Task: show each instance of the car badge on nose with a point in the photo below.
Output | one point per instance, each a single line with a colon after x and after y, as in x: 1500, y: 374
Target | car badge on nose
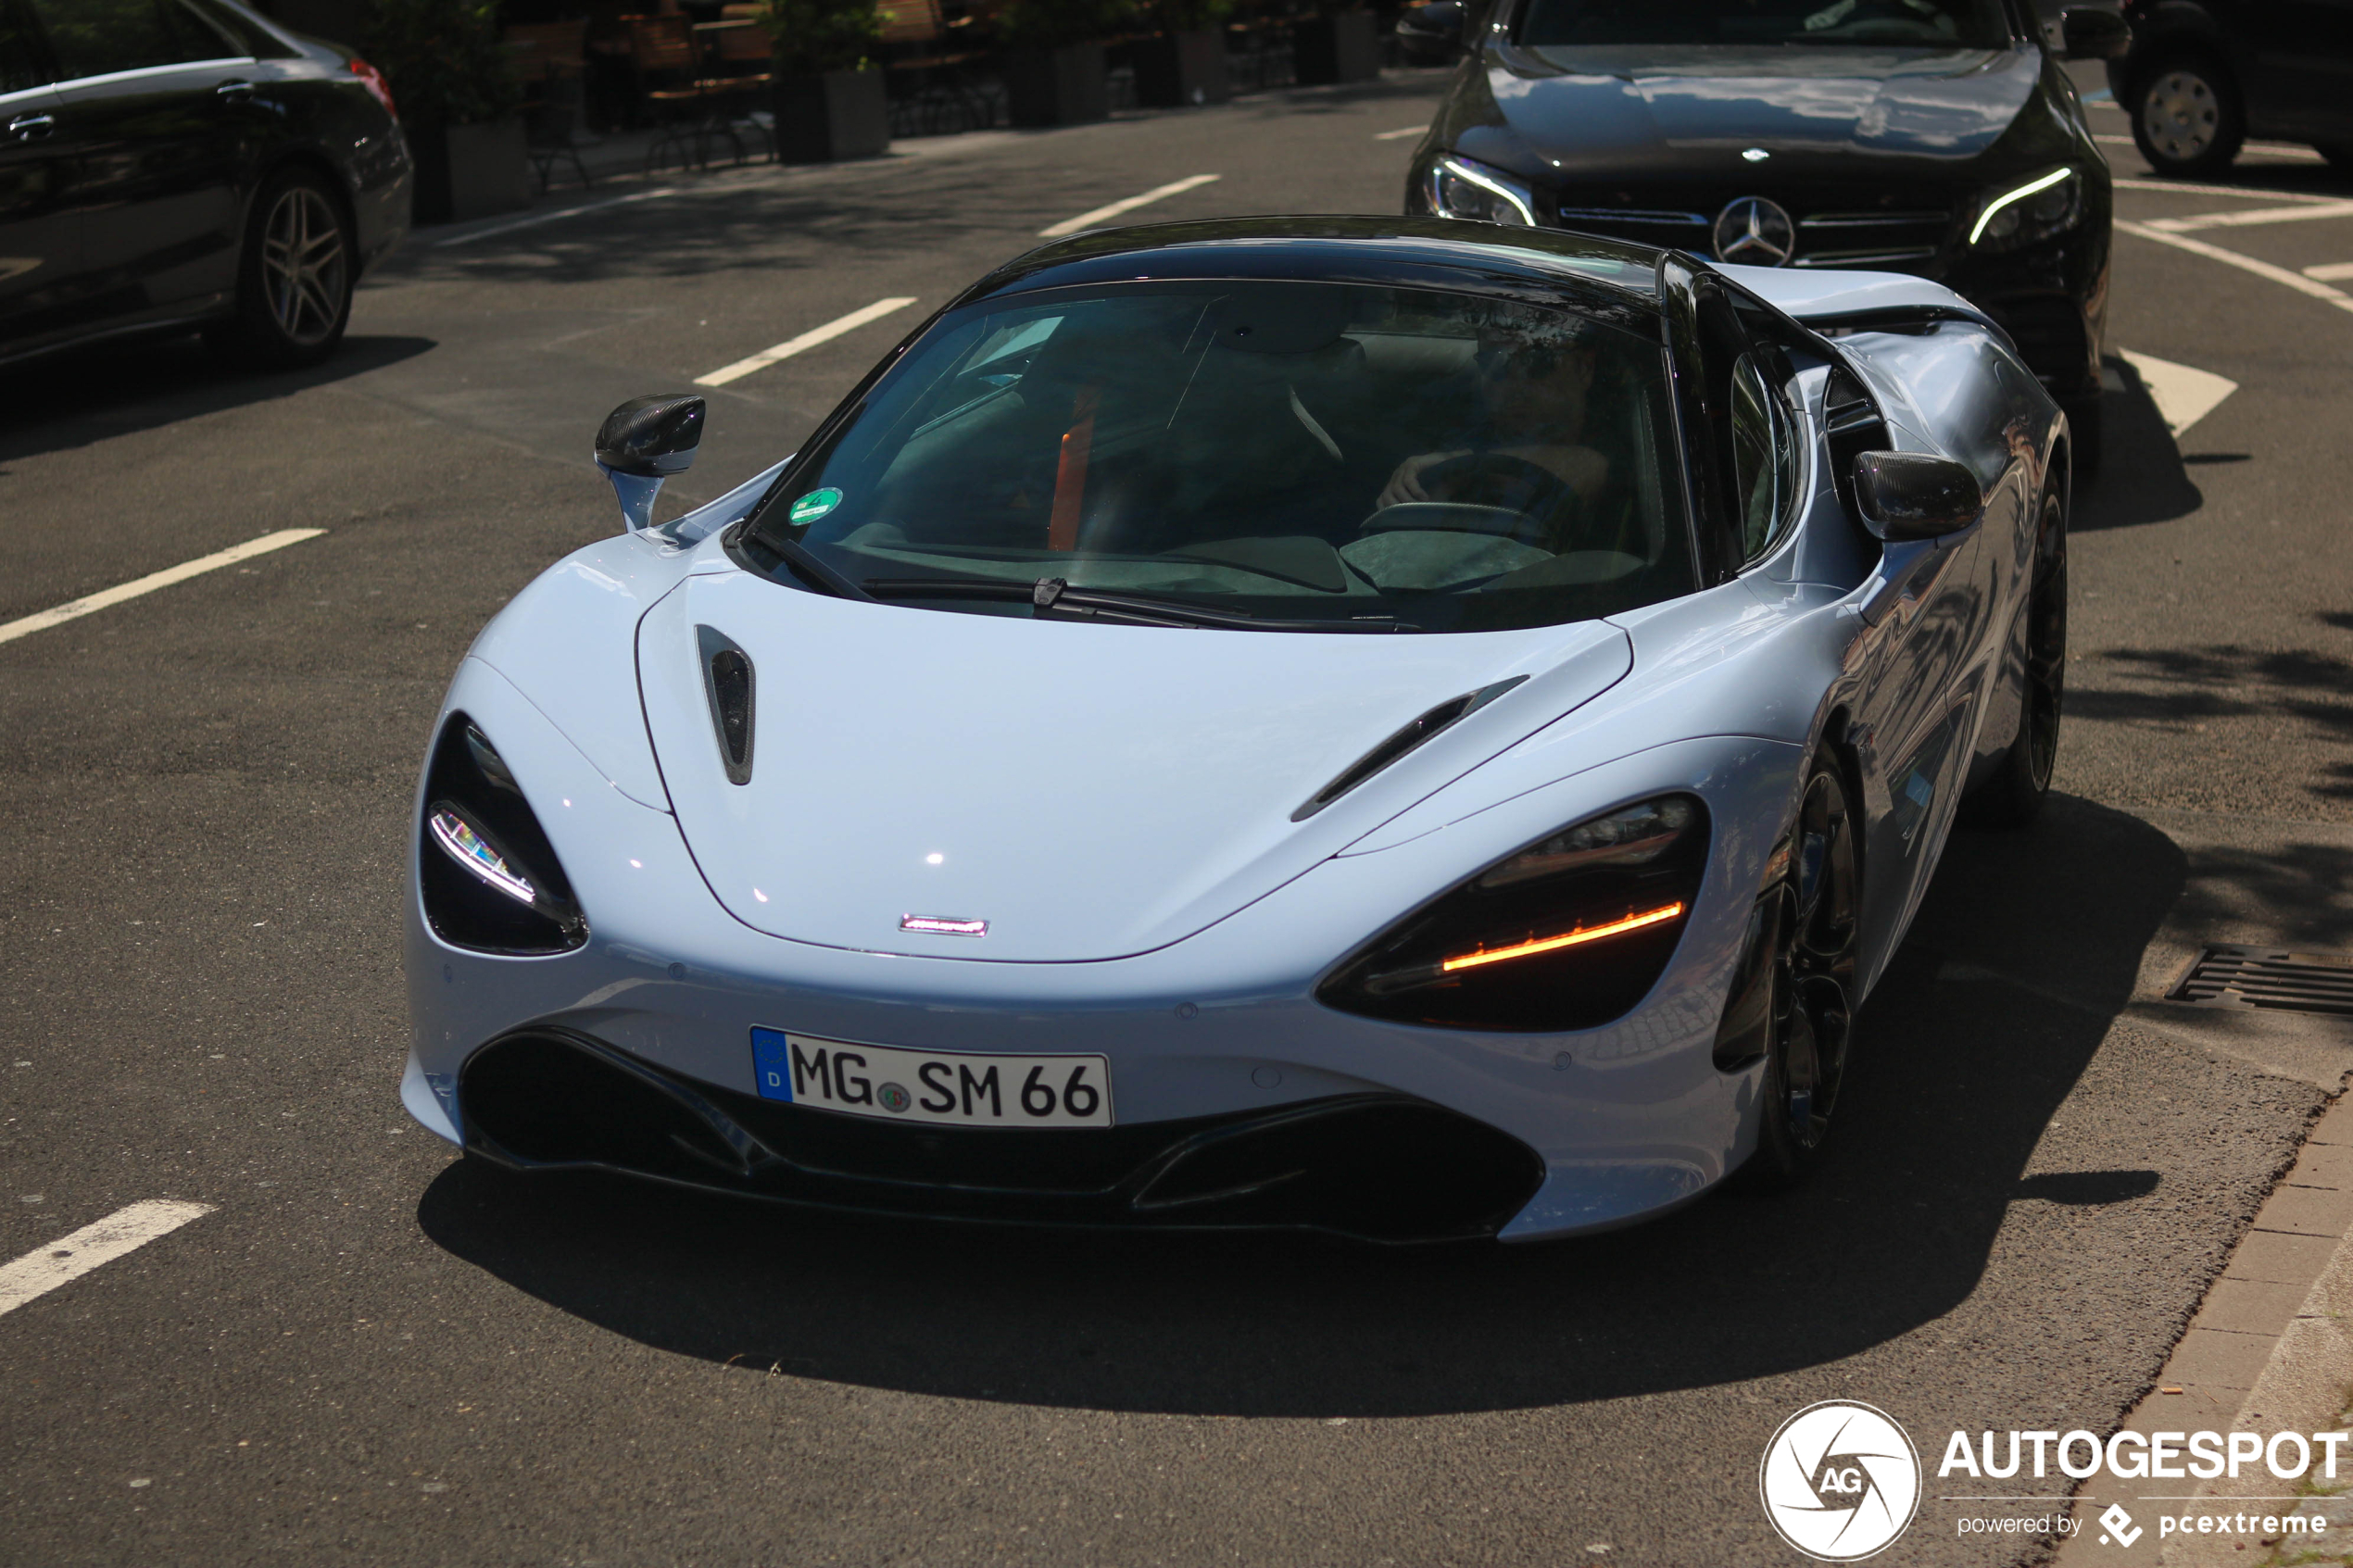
x: 943, y: 925
x: 1754, y: 232
x: 1754, y: 155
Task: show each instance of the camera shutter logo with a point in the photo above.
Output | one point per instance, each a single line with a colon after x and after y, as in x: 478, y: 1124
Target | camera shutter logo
x: 1839, y: 1481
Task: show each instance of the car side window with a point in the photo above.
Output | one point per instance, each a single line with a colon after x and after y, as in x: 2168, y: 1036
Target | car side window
x: 1765, y: 457
x: 20, y: 65
x: 101, y: 37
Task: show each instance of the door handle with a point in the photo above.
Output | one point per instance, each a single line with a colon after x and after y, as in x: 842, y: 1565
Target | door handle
x: 234, y: 90
x: 30, y: 127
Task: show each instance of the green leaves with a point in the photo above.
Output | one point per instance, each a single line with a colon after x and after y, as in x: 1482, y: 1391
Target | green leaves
x: 443, y: 60
x: 815, y: 36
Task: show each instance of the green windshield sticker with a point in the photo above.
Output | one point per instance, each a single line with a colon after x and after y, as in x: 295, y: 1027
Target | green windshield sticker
x: 814, y: 505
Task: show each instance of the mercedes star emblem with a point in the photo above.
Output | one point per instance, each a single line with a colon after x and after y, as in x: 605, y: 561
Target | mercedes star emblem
x: 1755, y: 233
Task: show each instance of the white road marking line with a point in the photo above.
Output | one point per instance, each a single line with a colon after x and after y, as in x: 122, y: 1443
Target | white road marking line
x: 808, y: 339
x: 2257, y: 215
x: 2184, y: 393
x: 1398, y: 135
x: 2330, y: 271
x: 539, y: 218
x: 2296, y: 280
x: 69, y: 1257
x: 2261, y: 149
x: 1100, y: 214
x: 41, y: 620
x: 2182, y: 185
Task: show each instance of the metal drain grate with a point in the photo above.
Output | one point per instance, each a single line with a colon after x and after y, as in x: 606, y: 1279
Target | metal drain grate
x: 2265, y: 977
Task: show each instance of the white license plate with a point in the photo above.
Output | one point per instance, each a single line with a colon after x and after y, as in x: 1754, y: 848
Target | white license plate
x: 948, y: 1087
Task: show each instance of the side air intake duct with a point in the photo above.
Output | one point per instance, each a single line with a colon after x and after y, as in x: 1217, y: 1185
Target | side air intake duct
x: 727, y: 681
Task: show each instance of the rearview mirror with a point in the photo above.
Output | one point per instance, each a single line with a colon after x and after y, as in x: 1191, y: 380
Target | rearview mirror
x: 644, y: 442
x: 1431, y: 34
x: 2092, y: 32
x: 1907, y: 495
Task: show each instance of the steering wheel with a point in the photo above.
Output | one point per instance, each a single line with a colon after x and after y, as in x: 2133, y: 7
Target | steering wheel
x: 1480, y: 493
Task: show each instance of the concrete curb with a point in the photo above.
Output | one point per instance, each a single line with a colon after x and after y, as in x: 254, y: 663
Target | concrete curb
x: 2270, y: 1349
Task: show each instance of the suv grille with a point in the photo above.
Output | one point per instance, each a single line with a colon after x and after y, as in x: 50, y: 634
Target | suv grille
x: 1835, y: 227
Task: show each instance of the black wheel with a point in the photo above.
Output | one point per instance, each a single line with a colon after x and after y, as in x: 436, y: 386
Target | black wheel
x: 2187, y: 116
x: 2014, y: 795
x: 1814, y: 939
x: 295, y: 277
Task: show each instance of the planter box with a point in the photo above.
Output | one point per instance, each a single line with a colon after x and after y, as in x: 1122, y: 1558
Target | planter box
x: 1065, y: 86
x: 840, y: 114
x: 469, y: 170
x: 1177, y: 68
x: 489, y: 169
x: 1344, y: 46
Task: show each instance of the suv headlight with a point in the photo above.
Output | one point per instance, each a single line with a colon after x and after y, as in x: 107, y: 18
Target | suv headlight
x: 2019, y: 215
x: 1569, y: 932
x: 1460, y: 187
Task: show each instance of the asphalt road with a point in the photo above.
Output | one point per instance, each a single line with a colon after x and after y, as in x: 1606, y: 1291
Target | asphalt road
x: 371, y: 1353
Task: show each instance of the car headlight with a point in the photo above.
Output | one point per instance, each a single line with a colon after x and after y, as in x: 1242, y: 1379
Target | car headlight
x: 1460, y: 187
x: 2019, y: 215
x: 485, y: 873
x: 1569, y: 932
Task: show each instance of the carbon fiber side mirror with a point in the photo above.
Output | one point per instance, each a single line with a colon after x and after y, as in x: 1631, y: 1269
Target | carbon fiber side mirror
x: 1909, y: 495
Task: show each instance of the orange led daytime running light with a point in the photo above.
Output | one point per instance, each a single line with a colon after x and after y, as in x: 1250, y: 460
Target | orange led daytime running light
x: 1575, y: 938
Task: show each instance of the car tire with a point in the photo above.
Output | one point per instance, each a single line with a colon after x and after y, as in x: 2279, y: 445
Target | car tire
x: 2014, y: 795
x: 295, y: 276
x: 1817, y: 938
x: 2188, y: 116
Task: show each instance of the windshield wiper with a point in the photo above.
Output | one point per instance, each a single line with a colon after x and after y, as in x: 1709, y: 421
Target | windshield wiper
x: 1054, y: 597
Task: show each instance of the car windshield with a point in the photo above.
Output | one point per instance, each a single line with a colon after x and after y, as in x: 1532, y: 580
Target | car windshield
x: 1290, y: 455
x: 1972, y: 24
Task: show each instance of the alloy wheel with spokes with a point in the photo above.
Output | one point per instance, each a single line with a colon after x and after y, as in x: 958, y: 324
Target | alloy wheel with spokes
x: 295, y: 279
x: 2046, y: 645
x: 1815, y: 944
x: 302, y: 265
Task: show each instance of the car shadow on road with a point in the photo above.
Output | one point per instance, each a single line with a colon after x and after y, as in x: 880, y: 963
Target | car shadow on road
x: 92, y: 395
x: 1942, y: 1111
x: 2141, y: 477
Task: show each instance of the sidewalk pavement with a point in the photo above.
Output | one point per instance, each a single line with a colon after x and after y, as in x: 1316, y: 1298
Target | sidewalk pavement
x: 2270, y: 1348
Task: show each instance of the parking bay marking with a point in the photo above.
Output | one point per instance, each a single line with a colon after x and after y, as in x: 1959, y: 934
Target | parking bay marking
x: 538, y: 218
x: 69, y: 1257
x: 2256, y: 215
x: 1398, y: 135
x: 1104, y: 214
x: 2261, y: 149
x: 808, y: 339
x: 2296, y: 280
x: 2330, y: 271
x: 2184, y: 393
x: 2185, y: 187
x: 41, y: 620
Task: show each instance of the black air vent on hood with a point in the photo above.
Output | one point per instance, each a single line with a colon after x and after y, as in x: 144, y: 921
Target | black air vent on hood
x: 727, y: 681
x: 1446, y: 714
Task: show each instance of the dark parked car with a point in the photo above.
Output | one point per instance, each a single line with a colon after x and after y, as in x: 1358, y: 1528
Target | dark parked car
x: 2205, y: 75
x: 173, y: 164
x: 1938, y: 137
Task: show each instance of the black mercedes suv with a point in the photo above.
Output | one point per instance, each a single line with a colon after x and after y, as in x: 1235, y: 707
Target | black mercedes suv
x: 1939, y: 137
x: 176, y: 164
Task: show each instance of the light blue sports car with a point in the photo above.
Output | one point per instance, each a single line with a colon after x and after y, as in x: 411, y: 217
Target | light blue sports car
x: 1400, y: 727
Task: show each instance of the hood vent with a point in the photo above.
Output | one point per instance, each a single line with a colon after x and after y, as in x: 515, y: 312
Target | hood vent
x: 727, y: 682
x: 1444, y: 715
